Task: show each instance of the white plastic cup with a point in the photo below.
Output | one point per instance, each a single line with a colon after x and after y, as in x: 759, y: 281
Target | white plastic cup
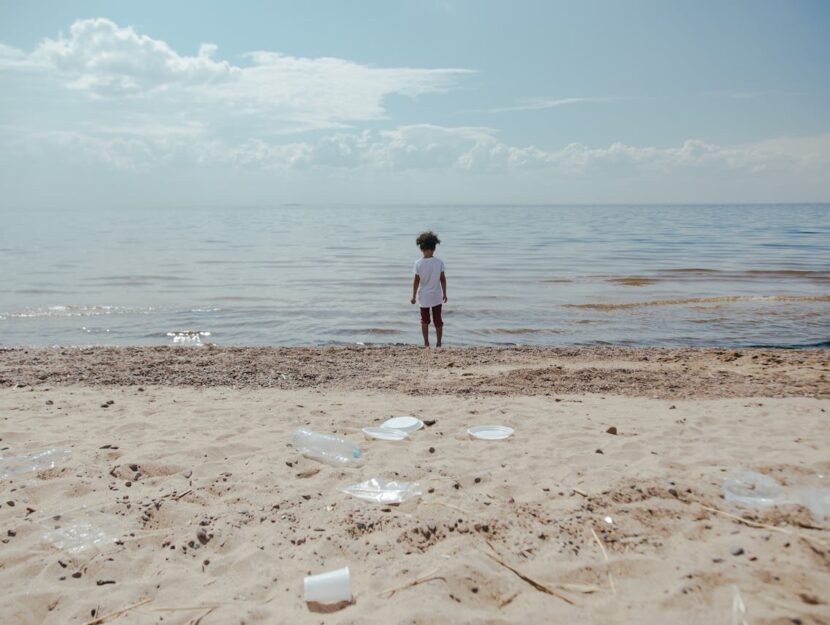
x: 327, y: 588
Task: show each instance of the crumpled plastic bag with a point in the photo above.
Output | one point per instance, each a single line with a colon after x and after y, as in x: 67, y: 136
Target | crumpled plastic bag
x: 755, y: 490
x: 47, y: 459
x: 383, y: 491
x: 77, y: 536
x: 80, y: 529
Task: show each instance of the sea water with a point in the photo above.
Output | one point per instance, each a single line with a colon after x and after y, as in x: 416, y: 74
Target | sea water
x: 342, y: 275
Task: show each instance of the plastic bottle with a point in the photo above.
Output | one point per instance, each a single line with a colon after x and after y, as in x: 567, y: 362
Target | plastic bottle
x: 328, y: 448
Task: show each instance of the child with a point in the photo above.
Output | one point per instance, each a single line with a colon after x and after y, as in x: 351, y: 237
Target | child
x: 429, y: 275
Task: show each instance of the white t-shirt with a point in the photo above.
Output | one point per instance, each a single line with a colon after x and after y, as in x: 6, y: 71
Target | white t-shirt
x: 429, y: 289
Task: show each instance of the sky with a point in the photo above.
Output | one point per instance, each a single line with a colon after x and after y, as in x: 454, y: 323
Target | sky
x: 438, y: 101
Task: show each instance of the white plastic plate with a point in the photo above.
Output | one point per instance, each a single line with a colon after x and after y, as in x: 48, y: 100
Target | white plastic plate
x: 490, y: 432
x: 385, y: 434
x: 407, y: 424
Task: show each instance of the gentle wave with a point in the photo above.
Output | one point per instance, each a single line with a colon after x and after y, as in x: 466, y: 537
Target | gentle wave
x: 371, y: 331
x: 517, y: 331
x: 633, y: 281
x: 73, y: 310
x: 706, y: 300
x: 749, y: 274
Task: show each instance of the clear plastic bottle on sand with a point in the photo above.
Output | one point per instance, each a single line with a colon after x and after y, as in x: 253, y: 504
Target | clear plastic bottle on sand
x: 328, y: 448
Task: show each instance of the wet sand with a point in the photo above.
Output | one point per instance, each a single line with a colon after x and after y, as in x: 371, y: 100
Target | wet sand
x: 604, y: 507
x: 662, y: 373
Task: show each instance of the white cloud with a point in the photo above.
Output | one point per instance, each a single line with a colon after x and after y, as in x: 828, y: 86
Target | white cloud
x: 538, y: 104
x: 423, y: 147
x: 11, y: 57
x: 116, y: 64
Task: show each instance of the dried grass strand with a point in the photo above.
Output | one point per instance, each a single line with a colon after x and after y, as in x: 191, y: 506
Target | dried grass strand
x: 101, y: 619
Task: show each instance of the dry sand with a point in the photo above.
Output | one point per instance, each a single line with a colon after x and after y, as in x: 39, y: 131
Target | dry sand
x: 215, y: 518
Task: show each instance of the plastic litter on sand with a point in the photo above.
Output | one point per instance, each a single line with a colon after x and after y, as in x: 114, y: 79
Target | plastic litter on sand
x: 755, y: 490
x: 383, y: 491
x: 490, y: 432
x: 40, y: 461
x: 78, y: 529
x: 328, y: 588
x: 329, y: 448
x: 405, y: 423
x: 385, y: 434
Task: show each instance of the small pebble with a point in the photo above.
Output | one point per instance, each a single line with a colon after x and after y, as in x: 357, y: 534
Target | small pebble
x: 736, y: 551
x: 432, y: 450
x: 611, y: 430
x: 599, y: 451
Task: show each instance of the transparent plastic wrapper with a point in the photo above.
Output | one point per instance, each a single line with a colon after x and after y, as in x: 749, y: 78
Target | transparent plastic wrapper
x: 78, y: 530
x: 817, y: 501
x: 75, y: 537
x: 329, y: 448
x: 748, y: 488
x: 754, y: 490
x: 47, y: 459
x: 383, y: 491
x: 815, y: 496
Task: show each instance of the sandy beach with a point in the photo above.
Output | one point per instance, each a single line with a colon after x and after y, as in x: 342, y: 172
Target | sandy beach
x: 605, y: 506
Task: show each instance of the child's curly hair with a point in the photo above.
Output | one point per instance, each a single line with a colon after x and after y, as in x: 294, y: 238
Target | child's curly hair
x: 427, y: 240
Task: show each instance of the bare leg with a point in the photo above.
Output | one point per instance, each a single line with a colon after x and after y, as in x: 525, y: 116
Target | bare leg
x: 439, y: 331
x: 425, y: 332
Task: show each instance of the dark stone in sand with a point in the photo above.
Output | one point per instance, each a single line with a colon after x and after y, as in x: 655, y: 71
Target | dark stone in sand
x: 599, y: 451
x: 611, y: 430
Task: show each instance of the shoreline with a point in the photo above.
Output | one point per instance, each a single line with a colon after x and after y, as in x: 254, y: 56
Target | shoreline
x: 668, y: 373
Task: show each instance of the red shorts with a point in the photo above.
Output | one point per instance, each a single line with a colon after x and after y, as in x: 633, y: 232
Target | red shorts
x: 436, y: 316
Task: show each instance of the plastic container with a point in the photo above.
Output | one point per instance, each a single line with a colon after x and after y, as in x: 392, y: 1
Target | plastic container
x: 328, y: 588
x: 329, y: 448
